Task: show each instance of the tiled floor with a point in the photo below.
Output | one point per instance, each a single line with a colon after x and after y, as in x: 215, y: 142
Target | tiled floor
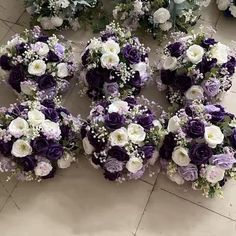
x: 79, y: 202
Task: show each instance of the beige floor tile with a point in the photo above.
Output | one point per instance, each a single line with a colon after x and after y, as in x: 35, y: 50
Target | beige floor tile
x: 169, y: 215
x: 24, y: 20
x: 11, y: 10
x: 229, y: 101
x: 4, y: 28
x: 3, y: 196
x: 9, y: 185
x: 77, y: 202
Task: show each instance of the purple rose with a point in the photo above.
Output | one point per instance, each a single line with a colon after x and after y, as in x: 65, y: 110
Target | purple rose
x: 189, y: 172
x: 17, y: 111
x: 40, y: 145
x: 200, y: 153
x: 131, y: 101
x: 217, y: 112
x: 111, y: 88
x: 48, y: 103
x: 195, y: 129
x: 52, y: 57
x: 118, y: 153
x: 135, y: 80
x: 225, y: 161
x: 97, y: 143
x: 230, y: 65
x: 20, y: 48
x: 208, y: 42
x: 42, y: 38
x: 107, y: 35
x: 51, y: 114
x: 176, y: 49
x: 167, y: 77
x: 28, y: 163
x: 114, y: 120
x: 131, y: 54
x: 96, y: 77
x: 112, y: 176
x: 85, y: 58
x: 5, y: 62
x: 211, y: 87
x: 148, y: 150
x: 95, y: 94
x: 5, y: 148
x: 233, y: 138
x: 183, y: 82
x: 168, y: 146
x: 55, y: 151
x: 46, y: 82
x: 206, y: 65
x: 146, y: 121
x: 17, y: 75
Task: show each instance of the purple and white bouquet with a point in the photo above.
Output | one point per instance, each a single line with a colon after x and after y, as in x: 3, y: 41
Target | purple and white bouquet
x: 37, y: 65
x: 228, y: 6
x: 115, y: 63
x: 196, y: 67
x: 159, y: 17
x: 200, y: 147
x: 36, y: 139
x: 122, y: 137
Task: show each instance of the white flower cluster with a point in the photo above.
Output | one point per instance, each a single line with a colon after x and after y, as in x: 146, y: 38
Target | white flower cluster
x: 224, y: 5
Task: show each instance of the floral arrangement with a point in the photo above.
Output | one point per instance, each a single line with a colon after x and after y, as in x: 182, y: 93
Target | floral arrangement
x: 158, y: 17
x: 196, y: 67
x: 200, y: 147
x: 228, y: 6
x: 37, y: 65
x: 36, y: 139
x: 122, y: 137
x: 60, y: 14
x: 115, y: 63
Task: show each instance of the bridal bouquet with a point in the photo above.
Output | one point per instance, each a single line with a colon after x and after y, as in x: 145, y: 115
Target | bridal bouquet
x: 159, y: 16
x: 115, y: 63
x: 60, y: 14
x: 228, y: 6
x: 37, y: 65
x: 200, y: 147
x: 196, y: 67
x: 36, y: 139
x: 122, y: 138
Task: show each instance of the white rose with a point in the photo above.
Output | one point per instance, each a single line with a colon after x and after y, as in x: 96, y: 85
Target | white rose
x: 42, y: 168
x: 27, y: 88
x: 110, y: 46
x: 118, y: 106
x: 195, y: 53
x: 223, y: 4
x: 64, y: 3
x: 170, y: 63
x: 161, y: 16
x: 179, y: 1
x: 232, y: 9
x: 213, y: 136
x: 37, y: 67
x: 141, y: 67
x: 136, y: 133
x: 134, y: 164
x: 180, y: 156
x: 138, y: 5
x: 65, y: 161
x: 57, y: 21
x: 35, y: 117
x: 166, y: 26
x: 194, y: 92
x: 173, y: 124
x: 88, y: 147
x: 109, y: 60
x: 119, y: 137
x: 41, y: 48
x: 46, y: 23
x: 176, y: 178
x: 220, y: 52
x: 18, y: 127
x: 157, y: 123
x: 21, y: 148
x: 62, y: 70
x: 94, y: 44
x: 214, y: 174
x: 51, y: 129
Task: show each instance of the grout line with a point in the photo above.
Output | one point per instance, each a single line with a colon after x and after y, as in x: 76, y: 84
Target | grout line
x: 234, y: 220
x: 142, y: 180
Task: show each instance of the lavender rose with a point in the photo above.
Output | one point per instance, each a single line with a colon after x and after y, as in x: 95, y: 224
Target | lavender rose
x: 189, y: 172
x: 225, y: 161
x: 217, y: 112
x: 211, y: 87
x: 195, y: 128
x: 111, y: 88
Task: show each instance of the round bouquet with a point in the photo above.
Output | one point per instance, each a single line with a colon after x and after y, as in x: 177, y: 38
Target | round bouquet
x: 228, y: 6
x: 37, y: 65
x: 159, y: 16
x: 200, y: 147
x: 121, y: 137
x: 115, y: 63
x: 196, y: 67
x: 60, y: 14
x: 36, y: 139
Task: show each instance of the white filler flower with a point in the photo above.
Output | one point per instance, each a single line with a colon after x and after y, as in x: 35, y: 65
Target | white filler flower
x: 21, y: 148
